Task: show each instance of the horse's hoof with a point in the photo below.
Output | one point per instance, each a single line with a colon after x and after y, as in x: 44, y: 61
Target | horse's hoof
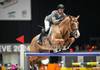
x: 64, y: 49
x: 55, y: 51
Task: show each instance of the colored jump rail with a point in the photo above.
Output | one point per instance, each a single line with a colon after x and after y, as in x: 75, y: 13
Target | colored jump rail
x: 64, y: 54
x: 85, y: 63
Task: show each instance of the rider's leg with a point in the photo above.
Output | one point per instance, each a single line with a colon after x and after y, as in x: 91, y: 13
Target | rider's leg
x: 44, y: 31
x: 46, y: 24
x: 48, y: 27
x: 41, y: 36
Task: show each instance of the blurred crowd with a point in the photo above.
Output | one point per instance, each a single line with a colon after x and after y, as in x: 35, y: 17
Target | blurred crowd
x: 84, y: 48
x: 9, y: 67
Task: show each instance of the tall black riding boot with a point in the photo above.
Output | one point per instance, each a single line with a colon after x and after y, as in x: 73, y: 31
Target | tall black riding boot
x: 43, y: 33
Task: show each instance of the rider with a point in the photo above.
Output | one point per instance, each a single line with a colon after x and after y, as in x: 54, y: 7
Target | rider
x: 54, y: 18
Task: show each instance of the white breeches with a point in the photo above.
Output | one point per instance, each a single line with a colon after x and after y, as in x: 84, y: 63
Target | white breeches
x: 46, y: 24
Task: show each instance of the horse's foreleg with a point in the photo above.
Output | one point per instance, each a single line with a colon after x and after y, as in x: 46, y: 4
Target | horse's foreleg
x: 57, y: 45
x: 59, y: 41
x: 69, y: 42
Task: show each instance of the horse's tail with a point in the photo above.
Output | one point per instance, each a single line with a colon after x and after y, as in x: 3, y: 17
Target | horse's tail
x: 41, y: 26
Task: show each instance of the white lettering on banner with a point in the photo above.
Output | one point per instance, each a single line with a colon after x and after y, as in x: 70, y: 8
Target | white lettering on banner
x: 18, y: 48
x: 15, y: 48
x: 4, y: 48
x: 11, y: 48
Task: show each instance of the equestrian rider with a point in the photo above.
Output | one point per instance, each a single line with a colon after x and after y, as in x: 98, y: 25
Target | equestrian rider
x: 54, y: 18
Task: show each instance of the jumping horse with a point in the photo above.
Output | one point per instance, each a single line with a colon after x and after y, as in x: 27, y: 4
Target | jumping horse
x: 61, y: 37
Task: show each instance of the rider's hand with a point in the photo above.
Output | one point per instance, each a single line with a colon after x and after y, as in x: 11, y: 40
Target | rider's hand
x: 61, y: 19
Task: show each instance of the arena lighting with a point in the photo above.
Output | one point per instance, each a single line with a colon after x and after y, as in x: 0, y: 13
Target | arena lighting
x: 64, y: 54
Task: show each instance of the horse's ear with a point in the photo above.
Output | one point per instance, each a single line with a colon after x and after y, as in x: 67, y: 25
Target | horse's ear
x: 78, y: 17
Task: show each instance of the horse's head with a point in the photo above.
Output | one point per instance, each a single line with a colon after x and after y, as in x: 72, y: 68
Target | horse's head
x: 70, y: 23
x: 74, y: 24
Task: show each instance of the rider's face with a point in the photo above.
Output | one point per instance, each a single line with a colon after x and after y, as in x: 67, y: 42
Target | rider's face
x: 61, y: 11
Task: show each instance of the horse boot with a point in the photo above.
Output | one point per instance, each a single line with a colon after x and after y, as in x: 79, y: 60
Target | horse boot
x: 40, y: 40
x: 43, y: 33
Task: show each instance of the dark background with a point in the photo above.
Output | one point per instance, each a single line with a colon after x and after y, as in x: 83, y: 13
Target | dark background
x: 87, y: 9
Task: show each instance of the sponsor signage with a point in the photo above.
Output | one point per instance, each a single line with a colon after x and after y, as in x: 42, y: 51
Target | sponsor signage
x: 10, y: 48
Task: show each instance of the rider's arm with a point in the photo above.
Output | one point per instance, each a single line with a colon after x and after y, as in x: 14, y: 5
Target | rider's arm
x: 65, y: 15
x: 53, y: 18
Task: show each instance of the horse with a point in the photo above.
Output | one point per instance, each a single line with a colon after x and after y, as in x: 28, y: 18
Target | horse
x: 59, y: 38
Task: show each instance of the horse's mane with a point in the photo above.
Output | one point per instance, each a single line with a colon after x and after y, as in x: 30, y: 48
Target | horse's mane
x: 67, y: 18
x: 65, y: 25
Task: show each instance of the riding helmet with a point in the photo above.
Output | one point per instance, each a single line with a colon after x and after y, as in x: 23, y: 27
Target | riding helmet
x: 60, y: 6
